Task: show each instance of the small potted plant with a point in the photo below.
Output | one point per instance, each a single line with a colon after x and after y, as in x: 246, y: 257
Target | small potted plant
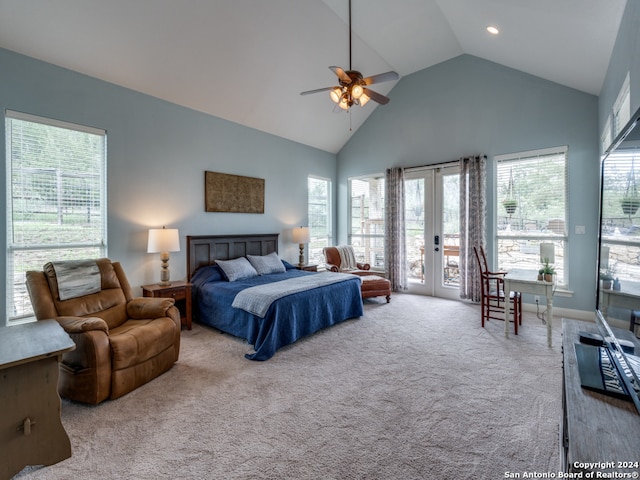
x: 509, y: 203
x: 607, y: 275
x: 510, y: 206
x: 630, y: 205
x: 548, y: 271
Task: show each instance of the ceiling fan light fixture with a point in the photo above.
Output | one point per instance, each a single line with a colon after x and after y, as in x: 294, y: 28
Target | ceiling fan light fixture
x: 336, y: 94
x: 353, y: 87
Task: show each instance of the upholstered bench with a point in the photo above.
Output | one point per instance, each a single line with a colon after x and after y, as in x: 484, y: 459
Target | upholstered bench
x: 375, y: 286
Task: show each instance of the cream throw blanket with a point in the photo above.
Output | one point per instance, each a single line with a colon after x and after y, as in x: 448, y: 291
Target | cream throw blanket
x: 347, y: 258
x: 77, y: 278
x: 258, y: 299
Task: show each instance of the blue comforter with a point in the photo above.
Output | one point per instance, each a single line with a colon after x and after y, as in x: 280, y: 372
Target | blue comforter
x: 288, y: 318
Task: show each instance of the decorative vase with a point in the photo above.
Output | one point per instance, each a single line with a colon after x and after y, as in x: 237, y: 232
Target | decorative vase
x: 606, y: 284
x: 616, y: 284
x: 548, y: 277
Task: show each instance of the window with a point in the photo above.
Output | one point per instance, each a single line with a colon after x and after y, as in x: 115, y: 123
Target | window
x: 366, y: 220
x: 620, y: 251
x: 531, y: 209
x: 622, y: 107
x: 56, y: 198
x: 319, y: 205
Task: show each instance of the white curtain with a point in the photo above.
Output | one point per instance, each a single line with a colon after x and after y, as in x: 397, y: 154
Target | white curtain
x: 395, y: 254
x: 473, y: 183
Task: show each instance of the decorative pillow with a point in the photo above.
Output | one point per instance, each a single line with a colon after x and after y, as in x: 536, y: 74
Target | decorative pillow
x: 237, y: 269
x: 210, y: 273
x: 265, y: 264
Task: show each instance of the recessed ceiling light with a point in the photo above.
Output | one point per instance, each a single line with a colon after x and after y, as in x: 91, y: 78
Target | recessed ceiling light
x: 493, y: 30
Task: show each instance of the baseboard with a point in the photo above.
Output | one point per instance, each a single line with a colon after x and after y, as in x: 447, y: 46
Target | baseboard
x: 558, y: 312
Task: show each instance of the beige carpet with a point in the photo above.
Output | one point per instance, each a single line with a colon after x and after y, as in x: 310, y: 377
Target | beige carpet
x: 415, y: 389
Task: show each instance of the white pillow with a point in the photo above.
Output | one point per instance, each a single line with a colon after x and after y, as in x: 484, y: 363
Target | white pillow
x: 237, y: 269
x: 266, y: 264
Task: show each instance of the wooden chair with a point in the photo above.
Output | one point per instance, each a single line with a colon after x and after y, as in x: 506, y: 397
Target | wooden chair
x: 493, y: 296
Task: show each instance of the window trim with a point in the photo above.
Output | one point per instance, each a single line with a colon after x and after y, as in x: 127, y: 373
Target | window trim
x: 606, y: 138
x: 529, y: 154
x: 349, y: 216
x: 330, y: 236
x: 11, y: 247
x: 619, y: 117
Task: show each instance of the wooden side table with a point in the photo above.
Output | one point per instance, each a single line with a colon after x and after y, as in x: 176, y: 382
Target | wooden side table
x: 308, y: 268
x: 31, y: 432
x: 180, y: 291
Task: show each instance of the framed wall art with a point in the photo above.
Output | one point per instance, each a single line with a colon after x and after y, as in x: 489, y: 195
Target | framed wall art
x: 233, y: 193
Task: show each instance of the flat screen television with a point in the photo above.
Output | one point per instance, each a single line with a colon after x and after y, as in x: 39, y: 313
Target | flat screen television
x: 618, y: 267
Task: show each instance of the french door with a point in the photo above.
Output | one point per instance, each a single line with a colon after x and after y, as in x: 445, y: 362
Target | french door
x: 432, y: 230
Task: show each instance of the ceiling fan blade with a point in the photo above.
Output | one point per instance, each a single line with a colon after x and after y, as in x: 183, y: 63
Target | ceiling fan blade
x: 317, y: 90
x: 381, y: 77
x: 376, y: 97
x: 341, y: 74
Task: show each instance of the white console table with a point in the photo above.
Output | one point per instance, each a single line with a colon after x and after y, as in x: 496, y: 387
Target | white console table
x: 526, y: 281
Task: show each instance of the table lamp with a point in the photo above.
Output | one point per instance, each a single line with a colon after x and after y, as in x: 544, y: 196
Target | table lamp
x: 164, y: 240
x: 301, y: 235
x: 547, y: 253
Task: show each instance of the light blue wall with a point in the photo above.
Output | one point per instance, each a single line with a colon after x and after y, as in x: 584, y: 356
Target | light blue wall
x: 468, y: 105
x: 159, y: 151
x: 157, y: 155
x: 624, y: 58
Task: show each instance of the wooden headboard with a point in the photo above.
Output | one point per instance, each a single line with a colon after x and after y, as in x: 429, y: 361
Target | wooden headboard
x: 203, y: 250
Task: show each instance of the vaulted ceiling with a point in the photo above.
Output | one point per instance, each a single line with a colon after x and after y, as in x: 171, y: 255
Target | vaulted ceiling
x: 247, y: 60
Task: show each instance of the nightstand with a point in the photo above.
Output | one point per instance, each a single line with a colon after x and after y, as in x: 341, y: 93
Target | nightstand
x: 180, y: 291
x: 308, y: 268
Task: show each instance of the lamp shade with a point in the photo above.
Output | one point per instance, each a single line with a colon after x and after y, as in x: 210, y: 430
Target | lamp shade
x: 163, y: 240
x: 547, y: 253
x: 301, y: 235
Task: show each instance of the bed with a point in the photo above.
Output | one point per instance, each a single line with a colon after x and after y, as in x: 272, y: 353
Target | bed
x: 289, y: 318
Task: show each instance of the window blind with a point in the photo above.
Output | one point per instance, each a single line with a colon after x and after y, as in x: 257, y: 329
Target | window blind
x: 366, y: 221
x: 56, y: 198
x: 319, y: 212
x: 531, y: 208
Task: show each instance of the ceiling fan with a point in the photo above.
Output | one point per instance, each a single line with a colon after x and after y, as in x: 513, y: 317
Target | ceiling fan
x: 352, y: 89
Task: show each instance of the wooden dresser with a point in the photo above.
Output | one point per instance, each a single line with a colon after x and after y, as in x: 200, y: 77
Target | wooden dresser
x: 596, y: 429
x: 31, y: 432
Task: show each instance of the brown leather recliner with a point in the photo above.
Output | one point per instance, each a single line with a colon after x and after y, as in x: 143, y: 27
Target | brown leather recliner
x: 334, y: 263
x: 122, y: 342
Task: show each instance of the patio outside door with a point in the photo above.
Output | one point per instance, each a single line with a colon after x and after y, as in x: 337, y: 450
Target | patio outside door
x: 432, y: 213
